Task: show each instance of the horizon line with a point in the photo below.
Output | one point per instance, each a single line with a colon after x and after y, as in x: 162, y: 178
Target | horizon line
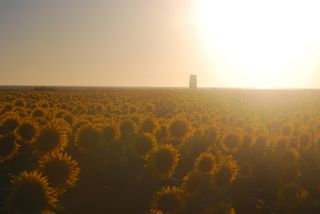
x: 154, y: 87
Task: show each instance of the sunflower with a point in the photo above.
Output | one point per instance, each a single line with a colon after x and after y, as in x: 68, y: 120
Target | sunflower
x: 163, y: 160
x: 8, y: 147
x: 28, y: 130
x: 142, y: 144
x: 52, y: 138
x: 9, y: 122
x: 88, y: 136
x: 231, y: 141
x: 150, y: 125
x: 65, y: 115
x: 226, y: 173
x: 38, y: 113
x: 30, y: 194
x: 168, y: 200
x: 179, y: 128
x: 20, y: 103
x: 60, y: 170
x: 205, y: 163
x: 127, y: 128
x: 65, y: 126
x: 111, y: 132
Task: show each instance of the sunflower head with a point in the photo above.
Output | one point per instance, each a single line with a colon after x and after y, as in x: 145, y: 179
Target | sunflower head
x: 38, y: 113
x: 52, y: 138
x: 8, y: 146
x: 60, y: 170
x: 149, y: 125
x: 205, y: 163
x: 127, y: 128
x: 9, y: 122
x: 7, y: 107
x: 231, y: 141
x: 143, y: 143
x: 111, y: 132
x: 226, y: 173
x: 163, y: 160
x: 30, y: 194
x: 179, y: 128
x: 88, y: 136
x: 20, y: 103
x: 28, y: 130
x: 168, y: 200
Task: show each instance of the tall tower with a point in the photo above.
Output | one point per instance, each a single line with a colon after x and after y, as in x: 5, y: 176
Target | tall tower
x: 193, y: 81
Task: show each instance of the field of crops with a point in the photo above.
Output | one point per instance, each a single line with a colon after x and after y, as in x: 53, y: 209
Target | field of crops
x: 159, y: 151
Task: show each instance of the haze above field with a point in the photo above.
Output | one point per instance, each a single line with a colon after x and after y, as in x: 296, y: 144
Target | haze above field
x: 232, y: 43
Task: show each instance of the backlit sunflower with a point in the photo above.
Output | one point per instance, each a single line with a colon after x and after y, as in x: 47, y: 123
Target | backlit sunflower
x: 52, y: 138
x: 226, y: 173
x: 163, y: 160
x: 179, y: 128
x: 9, y: 122
x: 142, y: 144
x: 60, y: 169
x: 88, y: 136
x: 205, y: 163
x: 30, y: 194
x: 28, y: 130
x: 111, y: 132
x: 231, y: 141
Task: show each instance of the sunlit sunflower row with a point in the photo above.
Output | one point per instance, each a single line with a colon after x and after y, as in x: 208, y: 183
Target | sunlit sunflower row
x: 159, y: 151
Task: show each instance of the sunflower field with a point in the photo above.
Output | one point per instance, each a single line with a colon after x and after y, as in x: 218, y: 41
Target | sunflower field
x: 159, y: 151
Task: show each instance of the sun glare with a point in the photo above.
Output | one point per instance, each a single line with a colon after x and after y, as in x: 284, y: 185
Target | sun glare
x: 260, y: 44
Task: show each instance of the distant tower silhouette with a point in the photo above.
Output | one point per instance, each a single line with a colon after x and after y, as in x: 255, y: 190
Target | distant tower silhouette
x: 193, y: 81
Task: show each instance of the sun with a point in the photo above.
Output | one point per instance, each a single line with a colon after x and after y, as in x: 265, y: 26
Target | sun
x: 259, y: 44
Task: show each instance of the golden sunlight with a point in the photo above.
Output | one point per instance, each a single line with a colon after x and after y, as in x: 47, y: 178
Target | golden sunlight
x: 259, y: 44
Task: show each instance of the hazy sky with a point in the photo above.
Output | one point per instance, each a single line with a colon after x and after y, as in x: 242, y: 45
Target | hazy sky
x: 96, y: 42
x: 151, y: 43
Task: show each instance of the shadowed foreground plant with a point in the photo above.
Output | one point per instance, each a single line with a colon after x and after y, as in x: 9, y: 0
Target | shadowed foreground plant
x: 30, y: 194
